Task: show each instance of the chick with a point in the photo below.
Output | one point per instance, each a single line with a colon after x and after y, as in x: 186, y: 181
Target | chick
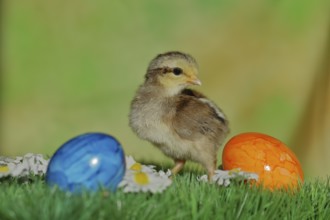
x: 183, y: 123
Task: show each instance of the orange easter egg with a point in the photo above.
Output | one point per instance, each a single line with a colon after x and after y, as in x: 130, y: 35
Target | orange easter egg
x: 276, y: 165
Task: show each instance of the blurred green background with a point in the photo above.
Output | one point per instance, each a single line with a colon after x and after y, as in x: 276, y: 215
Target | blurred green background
x: 71, y: 67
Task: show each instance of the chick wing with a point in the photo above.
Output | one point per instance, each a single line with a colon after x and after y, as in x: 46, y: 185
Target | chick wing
x: 197, y: 117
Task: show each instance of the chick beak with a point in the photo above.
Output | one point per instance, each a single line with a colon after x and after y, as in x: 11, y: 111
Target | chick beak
x: 194, y: 81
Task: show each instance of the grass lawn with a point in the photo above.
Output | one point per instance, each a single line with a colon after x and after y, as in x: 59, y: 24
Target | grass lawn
x: 186, y: 198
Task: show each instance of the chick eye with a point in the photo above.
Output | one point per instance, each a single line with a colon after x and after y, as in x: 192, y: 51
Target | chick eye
x: 177, y: 71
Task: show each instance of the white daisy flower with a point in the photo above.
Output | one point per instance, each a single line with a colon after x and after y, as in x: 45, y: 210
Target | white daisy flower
x: 22, y: 166
x: 144, y: 178
x: 4, y: 170
x: 131, y: 164
x: 139, y: 181
x: 223, y: 177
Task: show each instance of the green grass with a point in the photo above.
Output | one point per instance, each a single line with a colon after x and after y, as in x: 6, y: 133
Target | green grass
x: 185, y: 199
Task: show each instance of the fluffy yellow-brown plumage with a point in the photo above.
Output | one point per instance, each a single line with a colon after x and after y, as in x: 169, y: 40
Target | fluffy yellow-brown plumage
x: 182, y: 123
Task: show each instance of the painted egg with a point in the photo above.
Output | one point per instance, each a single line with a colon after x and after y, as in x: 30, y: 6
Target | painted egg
x: 276, y: 165
x: 87, y: 162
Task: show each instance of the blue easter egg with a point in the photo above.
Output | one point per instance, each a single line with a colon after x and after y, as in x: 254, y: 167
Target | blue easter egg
x: 87, y: 162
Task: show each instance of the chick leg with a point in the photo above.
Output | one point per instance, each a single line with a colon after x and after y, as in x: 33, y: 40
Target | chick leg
x: 211, y: 169
x: 178, y: 166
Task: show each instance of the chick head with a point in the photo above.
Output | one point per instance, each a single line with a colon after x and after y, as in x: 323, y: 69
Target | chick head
x: 174, y: 71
